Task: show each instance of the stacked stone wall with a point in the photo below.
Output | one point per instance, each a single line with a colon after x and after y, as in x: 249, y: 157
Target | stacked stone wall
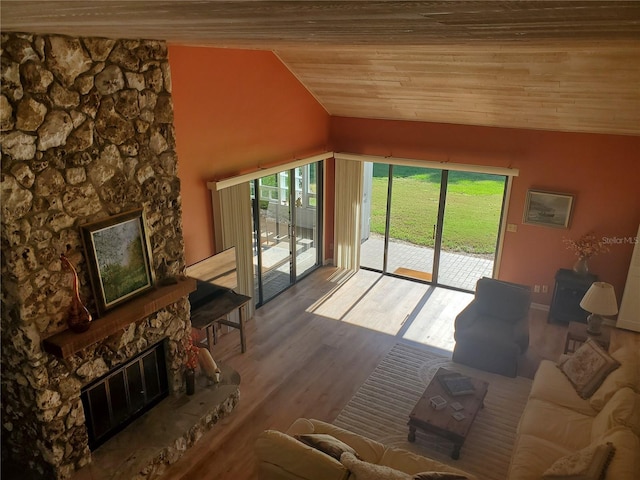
x: 86, y: 132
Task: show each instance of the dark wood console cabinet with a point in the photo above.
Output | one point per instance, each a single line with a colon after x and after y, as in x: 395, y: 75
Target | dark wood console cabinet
x: 569, y: 289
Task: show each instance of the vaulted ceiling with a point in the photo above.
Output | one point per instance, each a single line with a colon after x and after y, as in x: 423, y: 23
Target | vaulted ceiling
x: 551, y: 65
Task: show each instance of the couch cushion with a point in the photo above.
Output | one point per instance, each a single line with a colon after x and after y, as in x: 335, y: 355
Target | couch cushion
x: 368, y: 450
x: 552, y: 385
x: 326, y: 443
x: 300, y: 426
x: 296, y: 458
x: 532, y: 456
x: 624, y: 376
x: 269, y: 471
x: 439, y: 476
x: 587, y: 368
x: 557, y: 424
x: 371, y: 471
x: 506, y: 301
x: 622, y: 409
x: 588, y: 463
x: 625, y: 464
x: 487, y: 329
x: 412, y: 463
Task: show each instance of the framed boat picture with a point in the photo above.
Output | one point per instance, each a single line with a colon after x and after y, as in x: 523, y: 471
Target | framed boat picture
x: 548, y: 209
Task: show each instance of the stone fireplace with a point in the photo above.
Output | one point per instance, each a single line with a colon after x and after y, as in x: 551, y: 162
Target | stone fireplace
x: 87, y: 132
x: 126, y: 392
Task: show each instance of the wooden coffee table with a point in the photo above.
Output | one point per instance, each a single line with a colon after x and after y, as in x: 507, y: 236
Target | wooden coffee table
x: 441, y: 422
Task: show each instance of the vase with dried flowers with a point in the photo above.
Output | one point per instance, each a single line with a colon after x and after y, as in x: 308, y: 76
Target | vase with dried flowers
x: 191, y: 363
x: 584, y: 248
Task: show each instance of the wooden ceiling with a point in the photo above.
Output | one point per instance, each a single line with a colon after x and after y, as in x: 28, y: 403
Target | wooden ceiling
x: 551, y: 65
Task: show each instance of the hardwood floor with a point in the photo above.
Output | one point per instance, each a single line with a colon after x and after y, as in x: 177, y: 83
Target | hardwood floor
x: 310, y: 349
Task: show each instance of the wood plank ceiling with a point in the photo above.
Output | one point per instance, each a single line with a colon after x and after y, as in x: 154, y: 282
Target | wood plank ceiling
x: 551, y: 65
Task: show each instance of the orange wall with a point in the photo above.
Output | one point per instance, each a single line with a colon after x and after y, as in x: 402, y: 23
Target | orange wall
x: 234, y: 111
x: 237, y: 110
x: 602, y: 171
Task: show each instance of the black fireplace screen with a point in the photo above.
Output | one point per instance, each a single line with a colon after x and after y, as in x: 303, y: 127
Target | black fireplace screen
x: 122, y: 395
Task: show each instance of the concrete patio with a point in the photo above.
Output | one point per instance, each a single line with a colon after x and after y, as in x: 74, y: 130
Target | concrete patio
x: 457, y: 270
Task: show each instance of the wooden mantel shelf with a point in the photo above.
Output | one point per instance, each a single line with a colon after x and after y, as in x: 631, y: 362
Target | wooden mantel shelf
x: 67, y: 343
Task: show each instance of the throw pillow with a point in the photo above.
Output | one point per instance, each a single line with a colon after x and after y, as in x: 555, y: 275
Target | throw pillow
x: 590, y: 463
x: 326, y: 443
x: 370, y: 471
x: 439, y: 476
x: 587, y: 368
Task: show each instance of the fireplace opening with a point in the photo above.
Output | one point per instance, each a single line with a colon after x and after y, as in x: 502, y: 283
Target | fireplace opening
x: 116, y: 399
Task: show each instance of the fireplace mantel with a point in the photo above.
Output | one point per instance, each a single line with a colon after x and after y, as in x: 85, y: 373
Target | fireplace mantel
x: 67, y: 343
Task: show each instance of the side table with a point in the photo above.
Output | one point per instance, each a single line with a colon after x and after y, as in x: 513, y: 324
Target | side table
x: 216, y: 311
x: 577, y: 335
x: 569, y: 289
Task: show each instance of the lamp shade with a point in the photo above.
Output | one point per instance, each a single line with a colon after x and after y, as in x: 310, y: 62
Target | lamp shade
x: 600, y: 299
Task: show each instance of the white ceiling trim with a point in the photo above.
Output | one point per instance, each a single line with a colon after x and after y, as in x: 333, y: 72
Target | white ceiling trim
x: 414, y: 162
x: 247, y: 177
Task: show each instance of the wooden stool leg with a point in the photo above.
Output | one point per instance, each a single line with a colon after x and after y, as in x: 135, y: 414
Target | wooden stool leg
x: 211, y: 337
x: 243, y: 340
x: 456, y: 451
x: 412, y: 434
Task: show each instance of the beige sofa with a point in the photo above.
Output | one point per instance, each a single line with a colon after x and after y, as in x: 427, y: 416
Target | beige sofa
x: 280, y: 456
x: 556, y: 421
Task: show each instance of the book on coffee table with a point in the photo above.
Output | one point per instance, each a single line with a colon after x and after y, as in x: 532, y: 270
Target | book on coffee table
x: 456, y: 384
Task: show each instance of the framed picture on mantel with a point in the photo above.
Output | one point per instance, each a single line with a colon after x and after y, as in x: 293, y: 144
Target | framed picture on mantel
x: 119, y: 258
x: 548, y: 209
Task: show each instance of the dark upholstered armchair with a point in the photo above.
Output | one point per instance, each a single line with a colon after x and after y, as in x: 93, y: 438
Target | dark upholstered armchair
x: 493, y: 330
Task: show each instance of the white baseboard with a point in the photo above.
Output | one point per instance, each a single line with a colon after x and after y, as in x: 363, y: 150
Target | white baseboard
x: 540, y: 306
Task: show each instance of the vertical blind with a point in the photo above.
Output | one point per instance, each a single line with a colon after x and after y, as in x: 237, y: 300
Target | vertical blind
x: 348, y: 206
x: 233, y: 205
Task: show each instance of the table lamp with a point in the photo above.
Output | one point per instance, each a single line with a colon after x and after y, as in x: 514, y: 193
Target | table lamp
x: 599, y: 300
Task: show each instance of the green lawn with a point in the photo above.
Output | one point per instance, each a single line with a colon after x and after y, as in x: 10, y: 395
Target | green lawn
x: 472, y: 214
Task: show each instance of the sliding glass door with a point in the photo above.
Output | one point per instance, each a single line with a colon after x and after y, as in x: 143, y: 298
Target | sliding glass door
x: 374, y: 216
x: 432, y: 225
x: 306, y: 219
x: 272, y: 226
x: 413, y: 215
x: 287, y: 212
x: 470, y: 227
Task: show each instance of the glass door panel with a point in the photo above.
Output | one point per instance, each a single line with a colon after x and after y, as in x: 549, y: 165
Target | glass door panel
x: 287, y: 217
x: 274, y: 221
x: 258, y: 207
x: 415, y: 198
x: 374, y: 215
x: 433, y: 225
x: 470, y: 228
x: 306, y: 218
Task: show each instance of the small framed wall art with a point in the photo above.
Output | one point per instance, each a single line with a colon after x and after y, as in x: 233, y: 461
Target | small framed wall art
x: 548, y: 209
x: 118, y: 257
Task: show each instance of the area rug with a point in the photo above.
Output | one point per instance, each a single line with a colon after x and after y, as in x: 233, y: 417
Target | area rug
x: 381, y: 406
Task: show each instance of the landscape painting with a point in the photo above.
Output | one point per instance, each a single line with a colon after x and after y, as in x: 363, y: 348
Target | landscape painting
x: 119, y: 260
